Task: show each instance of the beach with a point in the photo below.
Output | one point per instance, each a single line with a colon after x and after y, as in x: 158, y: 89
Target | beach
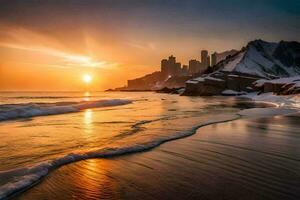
x: 149, y: 100
x: 146, y: 145
x: 254, y: 158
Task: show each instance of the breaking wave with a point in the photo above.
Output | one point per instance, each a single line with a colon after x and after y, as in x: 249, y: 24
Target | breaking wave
x: 16, y: 111
x: 53, y: 97
x: 29, y: 176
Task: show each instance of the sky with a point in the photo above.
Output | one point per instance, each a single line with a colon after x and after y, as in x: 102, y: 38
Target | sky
x: 51, y: 44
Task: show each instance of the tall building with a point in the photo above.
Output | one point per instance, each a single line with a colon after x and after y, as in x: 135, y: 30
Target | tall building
x: 169, y: 67
x: 194, y: 66
x: 172, y: 60
x: 164, y: 66
x: 204, y: 55
x: 208, y: 61
x: 214, y: 59
x: 184, y: 70
x: 176, y: 69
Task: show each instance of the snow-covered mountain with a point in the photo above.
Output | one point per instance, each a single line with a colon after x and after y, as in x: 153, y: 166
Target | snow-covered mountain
x: 265, y: 59
x: 221, y: 56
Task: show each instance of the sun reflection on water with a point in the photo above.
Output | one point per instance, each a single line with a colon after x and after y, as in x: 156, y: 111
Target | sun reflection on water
x: 92, y: 180
x: 88, y: 121
x: 87, y: 96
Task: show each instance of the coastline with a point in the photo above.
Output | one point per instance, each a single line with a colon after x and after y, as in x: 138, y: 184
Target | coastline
x: 290, y: 101
x: 105, y: 154
x: 219, y: 162
x: 281, y: 110
x: 32, y: 175
x: 42, y: 170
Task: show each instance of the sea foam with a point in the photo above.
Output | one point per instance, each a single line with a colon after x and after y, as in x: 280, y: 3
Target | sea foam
x: 28, y: 176
x: 15, y: 111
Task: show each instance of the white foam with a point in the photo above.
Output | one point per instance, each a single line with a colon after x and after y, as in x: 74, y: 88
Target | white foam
x: 15, y: 111
x: 267, y: 112
x: 232, y: 92
x: 26, y: 177
x: 288, y: 101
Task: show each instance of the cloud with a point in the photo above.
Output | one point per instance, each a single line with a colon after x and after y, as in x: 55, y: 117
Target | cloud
x: 59, y: 56
x: 142, y: 46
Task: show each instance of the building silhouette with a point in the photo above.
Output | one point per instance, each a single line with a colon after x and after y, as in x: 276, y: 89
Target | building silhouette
x: 204, y: 56
x: 169, y: 67
x: 208, y: 61
x: 172, y: 74
x: 164, y: 65
x: 194, y: 66
x: 214, y: 59
x: 184, y: 70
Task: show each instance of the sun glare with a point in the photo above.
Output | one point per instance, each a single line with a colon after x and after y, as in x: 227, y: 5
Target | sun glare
x: 87, y: 78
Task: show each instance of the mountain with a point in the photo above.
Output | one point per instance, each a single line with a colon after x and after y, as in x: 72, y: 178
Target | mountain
x: 265, y: 59
x: 222, y: 56
x: 237, y: 73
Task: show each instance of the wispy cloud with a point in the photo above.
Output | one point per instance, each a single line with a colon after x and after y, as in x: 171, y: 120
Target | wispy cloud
x: 142, y: 46
x: 28, y: 41
x: 66, y: 60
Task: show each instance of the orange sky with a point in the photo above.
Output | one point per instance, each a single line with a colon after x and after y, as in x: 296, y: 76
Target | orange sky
x: 31, y: 60
x: 49, y: 45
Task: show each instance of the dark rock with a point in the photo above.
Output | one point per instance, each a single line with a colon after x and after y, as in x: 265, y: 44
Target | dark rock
x: 207, y: 87
x: 176, y: 82
x: 216, y: 83
x: 280, y: 88
x: 169, y: 90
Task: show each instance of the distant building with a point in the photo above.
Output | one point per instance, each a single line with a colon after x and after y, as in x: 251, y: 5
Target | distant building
x: 169, y: 67
x: 204, y: 55
x: 176, y: 70
x: 214, y: 59
x: 164, y: 66
x: 184, y: 70
x: 194, y: 66
x: 172, y: 60
x: 208, y: 61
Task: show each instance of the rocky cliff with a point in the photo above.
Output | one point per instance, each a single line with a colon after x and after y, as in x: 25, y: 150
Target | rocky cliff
x: 282, y: 86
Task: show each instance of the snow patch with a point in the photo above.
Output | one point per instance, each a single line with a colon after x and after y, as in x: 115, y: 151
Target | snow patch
x: 294, y: 79
x: 232, y: 93
x: 213, y: 79
x: 232, y: 64
x: 267, y: 112
x: 289, y: 101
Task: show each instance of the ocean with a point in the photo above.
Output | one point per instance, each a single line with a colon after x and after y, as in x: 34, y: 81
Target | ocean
x: 42, y: 131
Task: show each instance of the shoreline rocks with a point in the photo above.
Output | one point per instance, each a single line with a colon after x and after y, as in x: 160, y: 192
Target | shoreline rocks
x: 283, y: 86
x: 216, y: 83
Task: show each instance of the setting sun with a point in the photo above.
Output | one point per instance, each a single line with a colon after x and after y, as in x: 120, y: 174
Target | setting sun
x: 87, y: 78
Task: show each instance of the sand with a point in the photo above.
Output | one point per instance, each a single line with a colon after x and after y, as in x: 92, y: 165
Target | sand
x: 242, y: 159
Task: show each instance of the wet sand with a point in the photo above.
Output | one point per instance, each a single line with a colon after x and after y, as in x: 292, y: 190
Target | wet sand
x: 242, y: 159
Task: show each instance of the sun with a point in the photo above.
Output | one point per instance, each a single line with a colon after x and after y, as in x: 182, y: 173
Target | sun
x: 87, y: 78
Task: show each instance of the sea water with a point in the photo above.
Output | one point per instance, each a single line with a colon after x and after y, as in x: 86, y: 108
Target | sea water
x: 41, y: 131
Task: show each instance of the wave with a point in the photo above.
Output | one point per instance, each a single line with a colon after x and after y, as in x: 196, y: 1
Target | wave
x: 16, y: 111
x: 53, y: 97
x: 135, y: 128
x: 267, y: 112
x: 29, y: 176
